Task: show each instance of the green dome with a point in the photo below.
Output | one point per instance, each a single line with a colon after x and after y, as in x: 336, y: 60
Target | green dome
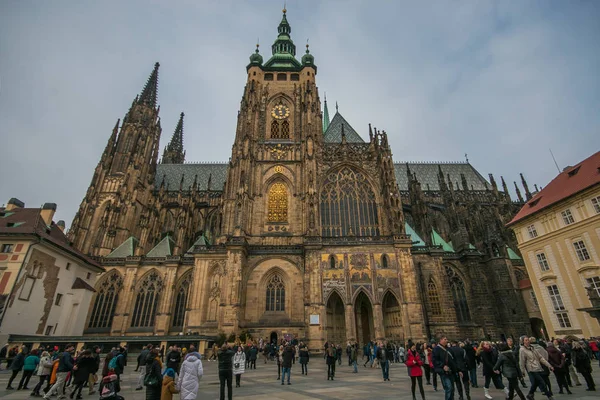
x: 256, y: 58
x: 308, y: 58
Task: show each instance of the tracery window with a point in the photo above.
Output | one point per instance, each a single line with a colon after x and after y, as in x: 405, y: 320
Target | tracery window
x: 278, y: 203
x: 348, y: 205
x: 275, y: 294
x: 332, y: 261
x: 434, y: 298
x: 275, y: 130
x: 285, y: 130
x: 105, y: 301
x: 181, y: 299
x: 457, y: 287
x: 146, y: 302
x: 384, y: 261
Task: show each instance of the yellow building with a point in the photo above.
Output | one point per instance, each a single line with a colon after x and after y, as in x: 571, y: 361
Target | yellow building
x: 558, y: 232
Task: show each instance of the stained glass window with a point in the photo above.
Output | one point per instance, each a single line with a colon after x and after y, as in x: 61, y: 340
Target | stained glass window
x: 146, y: 302
x: 275, y: 294
x: 434, y: 298
x: 182, y: 293
x: 457, y: 287
x: 278, y: 203
x: 348, y: 205
x: 105, y: 301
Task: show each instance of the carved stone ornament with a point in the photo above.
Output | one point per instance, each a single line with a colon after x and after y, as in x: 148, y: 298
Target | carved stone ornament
x: 219, y: 267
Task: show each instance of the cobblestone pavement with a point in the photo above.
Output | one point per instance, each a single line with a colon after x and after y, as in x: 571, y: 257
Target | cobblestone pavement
x: 262, y: 384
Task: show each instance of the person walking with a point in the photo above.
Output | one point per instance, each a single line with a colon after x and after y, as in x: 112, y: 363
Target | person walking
x: 43, y: 372
x: 93, y: 377
x: 141, y: 366
x: 286, y: 363
x: 530, y: 363
x: 444, y: 366
x: 583, y: 365
x: 168, y: 385
x: 65, y: 366
x: 174, y: 358
x: 225, y: 358
x: 239, y: 365
x: 508, y: 365
x: 354, y: 357
x: 462, y: 377
x: 515, y: 349
x: 279, y: 356
x: 253, y: 356
x: 382, y: 357
x: 81, y: 372
x: 330, y: 354
x: 557, y: 360
x: 488, y: 359
x: 29, y: 366
x: 16, y: 365
x: 153, y: 378
x: 415, y: 370
x: 189, y: 376
x: 471, y: 360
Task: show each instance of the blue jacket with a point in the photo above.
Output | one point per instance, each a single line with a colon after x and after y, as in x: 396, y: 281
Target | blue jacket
x: 65, y: 363
x: 31, y: 363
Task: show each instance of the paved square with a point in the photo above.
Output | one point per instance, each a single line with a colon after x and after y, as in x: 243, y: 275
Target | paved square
x: 262, y: 384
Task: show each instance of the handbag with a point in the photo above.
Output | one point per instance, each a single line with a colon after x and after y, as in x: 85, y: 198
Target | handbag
x: 151, y: 380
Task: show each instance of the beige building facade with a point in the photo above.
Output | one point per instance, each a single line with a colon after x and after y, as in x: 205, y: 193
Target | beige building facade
x: 558, y: 232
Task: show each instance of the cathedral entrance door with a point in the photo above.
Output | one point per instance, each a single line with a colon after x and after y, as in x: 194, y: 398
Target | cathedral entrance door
x: 363, y: 311
x: 335, y: 324
x: 392, y: 318
x: 273, y: 338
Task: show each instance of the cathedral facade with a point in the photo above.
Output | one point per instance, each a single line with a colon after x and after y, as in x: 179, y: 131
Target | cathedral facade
x: 309, y: 231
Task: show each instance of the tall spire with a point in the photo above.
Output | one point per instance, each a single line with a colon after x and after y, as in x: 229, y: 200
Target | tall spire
x: 518, y: 193
x: 173, y: 153
x: 150, y: 91
x: 284, y: 50
x: 325, y: 116
x: 528, y: 195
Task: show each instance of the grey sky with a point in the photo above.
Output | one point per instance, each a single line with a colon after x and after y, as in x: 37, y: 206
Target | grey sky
x: 502, y: 81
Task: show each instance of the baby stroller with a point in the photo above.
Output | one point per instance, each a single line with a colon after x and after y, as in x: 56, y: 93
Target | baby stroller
x: 110, y: 388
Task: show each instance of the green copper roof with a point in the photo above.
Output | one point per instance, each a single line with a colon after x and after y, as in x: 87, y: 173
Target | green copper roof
x: 512, y: 255
x: 201, y: 241
x: 325, y: 116
x: 333, y: 134
x: 471, y: 247
x: 416, y: 239
x: 284, y: 49
x: 126, y: 249
x: 163, y: 249
x: 437, y: 240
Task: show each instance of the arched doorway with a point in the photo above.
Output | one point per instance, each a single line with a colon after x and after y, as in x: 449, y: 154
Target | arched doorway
x: 363, y: 310
x: 392, y: 318
x: 335, y: 325
x: 538, y: 328
x: 273, y: 338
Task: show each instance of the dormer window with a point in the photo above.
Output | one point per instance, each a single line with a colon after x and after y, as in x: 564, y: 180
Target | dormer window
x: 574, y: 171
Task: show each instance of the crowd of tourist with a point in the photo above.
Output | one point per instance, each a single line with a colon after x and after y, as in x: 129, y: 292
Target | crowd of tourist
x: 455, y: 363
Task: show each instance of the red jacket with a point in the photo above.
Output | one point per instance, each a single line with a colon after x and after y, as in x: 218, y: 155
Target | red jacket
x: 593, y: 346
x: 414, y: 364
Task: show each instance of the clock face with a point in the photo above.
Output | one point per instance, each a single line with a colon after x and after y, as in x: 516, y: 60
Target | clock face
x: 280, y: 112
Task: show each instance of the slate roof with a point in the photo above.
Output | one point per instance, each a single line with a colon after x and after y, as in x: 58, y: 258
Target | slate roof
x: 569, y: 182
x: 28, y: 221
x: 427, y: 174
x: 333, y: 134
x: 163, y: 248
x: 172, y: 174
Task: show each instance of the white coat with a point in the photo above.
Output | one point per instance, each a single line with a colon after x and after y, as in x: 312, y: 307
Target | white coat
x: 189, y: 377
x: 240, y: 359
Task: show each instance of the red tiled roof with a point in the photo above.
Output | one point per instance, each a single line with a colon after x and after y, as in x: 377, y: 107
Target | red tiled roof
x: 28, y: 221
x: 569, y: 182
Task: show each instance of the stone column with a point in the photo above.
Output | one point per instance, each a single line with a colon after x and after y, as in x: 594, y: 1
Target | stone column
x: 378, y: 322
x: 124, y: 308
x: 166, y: 296
x: 198, y: 289
x: 350, y: 323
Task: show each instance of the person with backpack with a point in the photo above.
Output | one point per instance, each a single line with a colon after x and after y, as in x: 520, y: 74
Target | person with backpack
x: 117, y: 363
x: 583, y: 365
x: 508, y: 365
x: 65, y: 366
x: 141, y: 365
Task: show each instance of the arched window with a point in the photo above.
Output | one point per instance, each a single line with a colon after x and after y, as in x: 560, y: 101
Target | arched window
x: 146, y: 302
x: 181, y: 299
x: 348, y: 205
x: 434, y: 298
x: 278, y: 203
x: 105, y: 301
x: 275, y: 130
x: 275, y: 294
x: 332, y: 261
x: 384, y: 261
x: 457, y: 287
x: 285, y: 130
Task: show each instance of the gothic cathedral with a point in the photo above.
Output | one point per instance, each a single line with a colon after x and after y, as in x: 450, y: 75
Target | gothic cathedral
x: 309, y: 231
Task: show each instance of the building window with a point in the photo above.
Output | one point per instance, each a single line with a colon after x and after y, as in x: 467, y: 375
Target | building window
x: 275, y: 294
x: 282, y: 77
x: 567, y: 217
x: 268, y: 77
x: 532, y: 232
x: 332, y: 261
x: 556, y: 299
x: 278, y: 203
x: 68, y: 266
x: 105, y: 302
x: 58, y: 300
x: 26, y: 288
x: 181, y: 300
x: 49, y: 330
x: 596, y: 204
x: 275, y: 130
x: 594, y: 283
x: 88, y: 276
x: 457, y: 287
x: 348, y: 205
x: 146, y: 302
x: 534, y: 300
x: 295, y: 77
x: 563, y: 320
x: 384, y: 261
x: 542, y: 262
x: 7, y: 248
x: 434, y: 298
x: 285, y: 130
x: 581, y: 250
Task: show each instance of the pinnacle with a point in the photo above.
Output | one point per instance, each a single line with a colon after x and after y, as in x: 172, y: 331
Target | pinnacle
x: 150, y: 92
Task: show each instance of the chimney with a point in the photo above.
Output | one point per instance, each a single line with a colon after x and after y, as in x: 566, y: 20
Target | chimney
x: 47, y: 213
x: 61, y: 225
x: 14, y: 203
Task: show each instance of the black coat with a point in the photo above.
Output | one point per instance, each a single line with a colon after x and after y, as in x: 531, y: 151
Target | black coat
x: 304, y: 357
x: 442, y: 357
x: 18, y: 362
x: 488, y: 359
x: 173, y: 360
x: 253, y: 353
x: 459, y: 358
x: 470, y: 357
x: 225, y: 360
x: 153, y: 368
x: 288, y: 356
x: 508, y: 364
x: 85, y: 366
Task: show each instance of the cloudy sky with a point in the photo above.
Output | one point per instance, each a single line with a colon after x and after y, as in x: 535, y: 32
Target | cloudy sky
x: 503, y: 81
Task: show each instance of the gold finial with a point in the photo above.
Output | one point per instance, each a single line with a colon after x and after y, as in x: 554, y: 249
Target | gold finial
x: 284, y: 10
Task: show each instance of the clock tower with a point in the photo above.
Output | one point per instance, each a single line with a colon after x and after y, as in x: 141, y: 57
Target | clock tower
x: 271, y: 182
